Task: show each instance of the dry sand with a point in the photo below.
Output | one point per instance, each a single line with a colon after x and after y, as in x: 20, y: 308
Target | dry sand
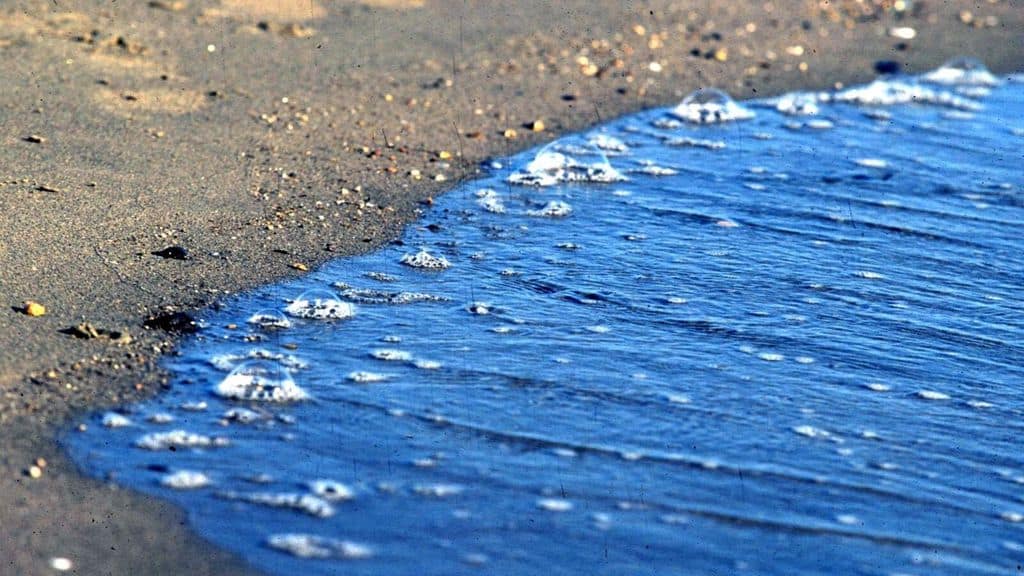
x: 266, y: 136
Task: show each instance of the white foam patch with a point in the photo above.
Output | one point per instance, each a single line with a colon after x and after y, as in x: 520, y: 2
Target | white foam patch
x: 869, y: 275
x: 427, y: 364
x: 479, y: 308
x: 425, y: 260
x: 178, y: 439
x: 710, y: 106
x: 771, y: 357
x: 260, y: 380
x: 228, y: 361
x: 878, y: 387
x: 199, y: 406
x: 554, y: 505
x: 608, y: 143
x: 490, y: 201
x: 185, y: 480
x: 811, y: 431
x: 962, y: 72
x: 269, y: 319
x: 687, y: 142
x: 372, y: 296
x: 331, y: 490
x: 160, y: 418
x: 242, y: 416
x: 932, y: 395
x: 115, y: 420
x: 871, y: 162
x: 361, y: 377
x: 320, y: 305
x: 892, y: 92
x: 797, y: 104
x: 553, y: 209
x: 318, y: 547
x: 305, y: 503
x: 649, y: 168
x: 391, y: 355
x: 438, y: 490
x: 551, y: 166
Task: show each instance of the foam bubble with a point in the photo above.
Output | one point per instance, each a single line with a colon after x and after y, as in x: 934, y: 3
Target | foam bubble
x: 962, y: 71
x: 229, y: 361
x: 878, y: 387
x: 177, y: 439
x: 318, y: 547
x: 320, y: 305
x: 425, y: 260
x: 115, y: 420
x: 269, y: 319
x: 710, y: 106
x: 479, y: 308
x: 331, y: 490
x: 198, y: 406
x: 427, y: 364
x: 932, y: 395
x: 553, y: 209
x: 260, y: 380
x: 185, y: 480
x: 160, y: 418
x: 368, y: 377
x: 554, y: 505
x: 848, y: 519
x: 869, y: 275
x: 871, y: 162
x: 306, y: 503
x: 771, y: 357
x: 570, y: 159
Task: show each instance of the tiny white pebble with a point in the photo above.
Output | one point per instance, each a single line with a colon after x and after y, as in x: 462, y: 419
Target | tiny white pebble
x: 60, y: 564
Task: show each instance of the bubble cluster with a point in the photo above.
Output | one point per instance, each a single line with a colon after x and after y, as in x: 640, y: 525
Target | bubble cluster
x: 260, y: 380
x: 710, y: 106
x: 319, y: 547
x: 425, y: 260
x: 320, y: 305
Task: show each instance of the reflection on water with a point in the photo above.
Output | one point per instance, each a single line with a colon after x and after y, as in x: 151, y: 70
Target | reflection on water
x: 787, y: 344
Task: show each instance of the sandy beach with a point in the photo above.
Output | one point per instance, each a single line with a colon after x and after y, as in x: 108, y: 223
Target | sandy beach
x: 160, y: 156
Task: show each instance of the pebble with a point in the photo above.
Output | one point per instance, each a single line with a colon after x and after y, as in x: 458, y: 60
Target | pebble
x: 33, y: 308
x: 61, y: 564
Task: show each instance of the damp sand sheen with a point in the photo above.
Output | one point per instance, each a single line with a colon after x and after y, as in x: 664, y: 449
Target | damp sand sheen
x: 768, y: 337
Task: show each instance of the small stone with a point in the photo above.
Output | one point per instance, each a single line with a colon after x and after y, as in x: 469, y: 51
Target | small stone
x: 172, y: 253
x: 41, y: 462
x: 536, y: 126
x: 444, y: 155
x: 721, y: 54
x: 169, y: 5
x: 35, y: 139
x: 511, y: 134
x: 300, y: 266
x: 33, y: 308
x: 180, y: 322
x: 35, y: 472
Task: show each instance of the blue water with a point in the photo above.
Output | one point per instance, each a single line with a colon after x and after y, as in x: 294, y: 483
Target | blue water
x: 787, y: 344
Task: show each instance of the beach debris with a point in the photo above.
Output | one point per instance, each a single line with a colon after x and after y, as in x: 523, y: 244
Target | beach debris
x: 87, y: 331
x: 172, y: 253
x: 179, y: 322
x: 168, y: 5
x: 61, y: 564
x: 299, y: 266
x: 309, y: 546
x: 35, y: 139
x: 33, y: 308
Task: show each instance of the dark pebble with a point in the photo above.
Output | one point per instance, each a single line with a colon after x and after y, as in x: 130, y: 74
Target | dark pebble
x: 888, y: 67
x: 173, y: 253
x: 180, y: 322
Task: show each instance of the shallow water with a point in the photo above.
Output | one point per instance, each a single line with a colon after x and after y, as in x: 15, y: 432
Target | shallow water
x: 786, y: 344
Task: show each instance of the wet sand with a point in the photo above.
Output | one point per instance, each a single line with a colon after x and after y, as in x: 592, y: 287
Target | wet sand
x: 266, y: 136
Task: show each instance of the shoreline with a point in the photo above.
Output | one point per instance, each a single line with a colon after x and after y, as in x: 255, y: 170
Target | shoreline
x: 135, y: 128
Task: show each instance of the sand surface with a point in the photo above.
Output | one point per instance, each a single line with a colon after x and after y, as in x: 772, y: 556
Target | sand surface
x: 266, y: 136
